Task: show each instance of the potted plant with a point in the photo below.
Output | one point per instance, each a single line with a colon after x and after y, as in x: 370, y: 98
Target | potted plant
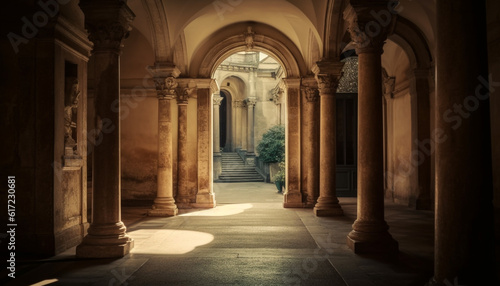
x: 279, y: 178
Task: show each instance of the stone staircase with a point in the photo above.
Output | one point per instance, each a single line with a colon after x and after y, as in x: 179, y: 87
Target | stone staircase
x: 234, y: 170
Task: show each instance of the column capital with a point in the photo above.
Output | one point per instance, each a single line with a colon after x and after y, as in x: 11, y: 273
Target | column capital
x: 369, y: 23
x: 187, y: 88
x: 276, y: 94
x: 327, y: 74
x: 217, y: 99
x: 251, y: 101
x: 312, y: 94
x: 108, y: 23
x: 239, y: 103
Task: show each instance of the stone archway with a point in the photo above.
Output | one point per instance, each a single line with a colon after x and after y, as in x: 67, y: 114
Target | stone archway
x: 260, y: 37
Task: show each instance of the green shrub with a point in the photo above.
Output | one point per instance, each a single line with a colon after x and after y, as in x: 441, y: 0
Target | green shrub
x: 272, y: 146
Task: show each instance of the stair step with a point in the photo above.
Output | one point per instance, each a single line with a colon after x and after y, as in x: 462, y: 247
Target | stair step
x: 235, y: 170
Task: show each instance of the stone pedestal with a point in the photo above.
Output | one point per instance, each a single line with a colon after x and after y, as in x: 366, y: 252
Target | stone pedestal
x: 370, y: 231
x: 328, y: 75
x: 106, y: 237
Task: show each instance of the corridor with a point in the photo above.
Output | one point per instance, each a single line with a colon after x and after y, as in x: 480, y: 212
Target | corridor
x: 248, y: 239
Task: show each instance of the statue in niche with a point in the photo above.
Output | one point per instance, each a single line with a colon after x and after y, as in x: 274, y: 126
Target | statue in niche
x: 70, y: 111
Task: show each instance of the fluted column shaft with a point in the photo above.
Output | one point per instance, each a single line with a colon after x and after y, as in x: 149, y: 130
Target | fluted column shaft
x: 370, y: 231
x: 107, y: 235
x: 328, y: 75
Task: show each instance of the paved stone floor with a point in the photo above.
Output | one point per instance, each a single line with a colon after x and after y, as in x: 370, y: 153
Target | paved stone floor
x: 248, y: 239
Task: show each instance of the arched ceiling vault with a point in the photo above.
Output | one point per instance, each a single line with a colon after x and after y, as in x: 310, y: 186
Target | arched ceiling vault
x: 178, y: 28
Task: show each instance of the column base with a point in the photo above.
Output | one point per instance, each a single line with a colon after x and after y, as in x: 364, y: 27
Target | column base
x: 104, y: 251
x: 328, y: 206
x: 163, y: 207
x: 108, y: 240
x: 206, y: 201
x: 292, y: 200
x: 372, y: 243
x: 337, y: 211
x: 163, y: 212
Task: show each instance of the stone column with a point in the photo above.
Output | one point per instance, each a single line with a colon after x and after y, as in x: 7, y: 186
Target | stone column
x: 166, y: 84
x: 183, y: 197
x: 237, y: 120
x: 293, y: 196
x: 217, y: 99
x: 205, y: 197
x: 108, y: 23
x: 370, y: 231
x: 311, y: 141
x: 328, y: 75
x: 464, y: 239
x: 420, y: 90
x: 250, y: 156
x: 244, y: 127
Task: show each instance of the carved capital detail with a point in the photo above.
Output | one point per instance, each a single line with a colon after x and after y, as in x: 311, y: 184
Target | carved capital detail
x: 184, y: 94
x: 217, y: 100
x: 312, y: 94
x: 108, y: 23
x: 251, y: 101
x: 327, y: 74
x: 166, y: 88
x: 239, y: 103
x: 369, y: 23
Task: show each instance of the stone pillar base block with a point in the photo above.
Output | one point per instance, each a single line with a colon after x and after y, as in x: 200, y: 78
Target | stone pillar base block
x: 163, y: 212
x: 184, y: 205
x: 326, y: 212
x: 205, y: 200
x: 292, y: 200
x: 104, y: 251
x: 386, y: 246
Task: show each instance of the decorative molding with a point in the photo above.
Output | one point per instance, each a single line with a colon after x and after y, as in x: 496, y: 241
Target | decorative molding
x: 249, y: 38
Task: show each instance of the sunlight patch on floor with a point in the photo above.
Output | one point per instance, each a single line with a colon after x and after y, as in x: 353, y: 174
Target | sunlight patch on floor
x: 168, y: 241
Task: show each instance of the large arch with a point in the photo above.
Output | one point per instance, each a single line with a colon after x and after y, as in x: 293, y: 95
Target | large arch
x: 266, y: 39
x: 231, y: 39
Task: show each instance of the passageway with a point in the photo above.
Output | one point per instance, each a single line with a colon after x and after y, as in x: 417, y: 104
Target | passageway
x: 248, y: 239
